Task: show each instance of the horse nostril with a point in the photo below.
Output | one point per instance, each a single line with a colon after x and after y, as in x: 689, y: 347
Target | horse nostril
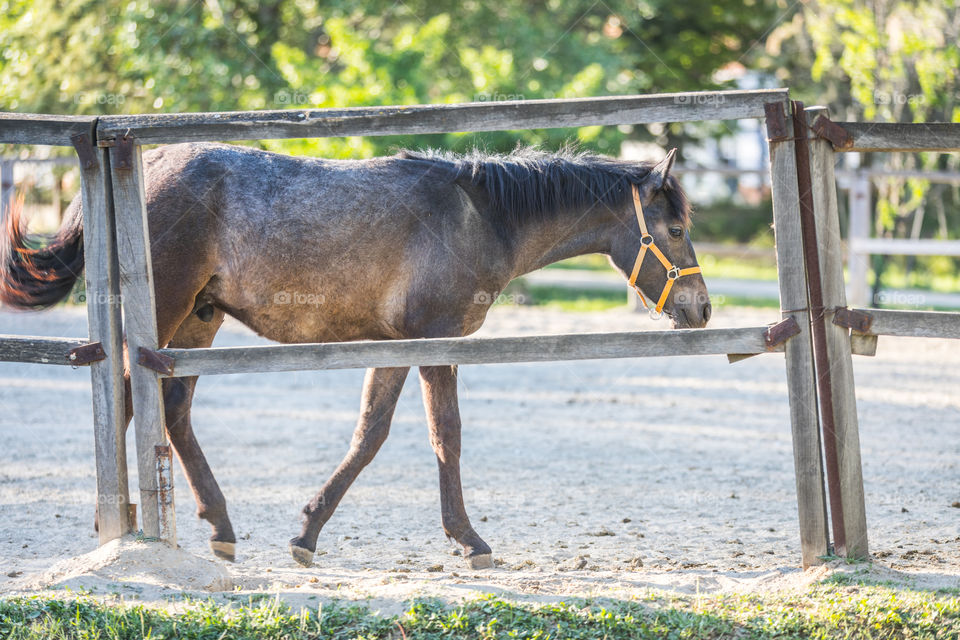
x: 707, y: 310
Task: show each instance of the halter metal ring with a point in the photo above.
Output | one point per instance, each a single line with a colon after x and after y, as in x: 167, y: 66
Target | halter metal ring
x: 646, y: 240
x: 673, y: 273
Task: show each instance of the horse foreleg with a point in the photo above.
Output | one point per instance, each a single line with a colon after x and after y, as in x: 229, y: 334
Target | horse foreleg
x: 381, y: 389
x: 439, y: 386
x: 211, y: 505
x: 177, y: 399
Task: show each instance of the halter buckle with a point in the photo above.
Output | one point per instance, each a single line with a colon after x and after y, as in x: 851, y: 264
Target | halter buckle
x: 673, y: 273
x: 646, y: 240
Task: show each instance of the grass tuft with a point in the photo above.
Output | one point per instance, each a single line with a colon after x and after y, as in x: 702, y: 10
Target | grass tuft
x: 836, y: 608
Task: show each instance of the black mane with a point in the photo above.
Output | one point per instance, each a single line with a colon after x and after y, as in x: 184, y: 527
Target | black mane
x: 533, y: 184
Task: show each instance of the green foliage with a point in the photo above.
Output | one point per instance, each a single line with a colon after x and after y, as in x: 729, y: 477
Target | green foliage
x: 843, y: 609
x: 137, y: 56
x: 732, y: 222
x: 884, y: 60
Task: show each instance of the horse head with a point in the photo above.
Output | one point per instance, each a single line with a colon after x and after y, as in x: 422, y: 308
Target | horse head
x: 656, y: 251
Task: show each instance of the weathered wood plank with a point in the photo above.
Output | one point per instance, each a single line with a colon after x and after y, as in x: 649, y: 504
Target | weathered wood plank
x: 105, y: 325
x: 37, y: 350
x: 846, y: 425
x: 440, y: 351
x: 801, y: 382
x: 914, y: 324
x: 139, y: 312
x: 441, y: 118
x: 860, y: 347
x: 37, y: 128
x: 896, y: 136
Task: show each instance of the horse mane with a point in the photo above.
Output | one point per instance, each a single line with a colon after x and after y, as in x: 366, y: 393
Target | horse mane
x: 530, y: 183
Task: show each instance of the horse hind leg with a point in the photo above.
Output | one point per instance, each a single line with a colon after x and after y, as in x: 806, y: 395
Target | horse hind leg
x: 439, y: 386
x: 381, y: 389
x: 196, y: 332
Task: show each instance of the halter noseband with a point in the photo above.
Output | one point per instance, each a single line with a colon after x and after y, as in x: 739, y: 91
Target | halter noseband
x: 647, y: 242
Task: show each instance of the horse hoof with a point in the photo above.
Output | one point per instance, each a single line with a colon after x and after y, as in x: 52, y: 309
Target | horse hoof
x: 481, y: 561
x: 304, y: 557
x: 224, y: 550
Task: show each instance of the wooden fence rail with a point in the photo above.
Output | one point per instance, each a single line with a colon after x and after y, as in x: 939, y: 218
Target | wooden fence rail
x: 440, y: 118
x: 35, y: 128
x: 440, y: 351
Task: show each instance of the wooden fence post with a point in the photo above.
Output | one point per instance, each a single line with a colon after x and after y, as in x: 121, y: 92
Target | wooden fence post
x: 139, y: 312
x: 801, y: 383
x: 845, y: 423
x: 103, y: 315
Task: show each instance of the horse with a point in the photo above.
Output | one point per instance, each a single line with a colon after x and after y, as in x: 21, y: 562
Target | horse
x: 414, y: 245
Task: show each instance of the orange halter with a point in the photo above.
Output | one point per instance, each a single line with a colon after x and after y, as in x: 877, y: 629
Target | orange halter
x: 647, y: 242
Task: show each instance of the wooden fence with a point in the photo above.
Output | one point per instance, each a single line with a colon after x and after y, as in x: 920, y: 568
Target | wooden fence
x: 118, y: 261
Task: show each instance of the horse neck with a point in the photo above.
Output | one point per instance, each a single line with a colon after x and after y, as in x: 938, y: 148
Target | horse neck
x: 572, y: 233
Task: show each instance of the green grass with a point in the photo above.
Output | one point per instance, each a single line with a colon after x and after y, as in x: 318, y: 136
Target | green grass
x: 569, y: 299
x: 825, y: 611
x: 575, y: 299
x: 589, y: 262
x: 742, y: 268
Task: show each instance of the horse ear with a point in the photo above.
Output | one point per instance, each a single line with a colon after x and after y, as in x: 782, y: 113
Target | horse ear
x: 658, y: 175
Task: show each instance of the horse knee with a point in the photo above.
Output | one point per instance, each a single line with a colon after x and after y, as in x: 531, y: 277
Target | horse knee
x: 365, y: 445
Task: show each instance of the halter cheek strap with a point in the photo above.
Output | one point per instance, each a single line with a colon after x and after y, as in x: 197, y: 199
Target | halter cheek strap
x: 647, y: 244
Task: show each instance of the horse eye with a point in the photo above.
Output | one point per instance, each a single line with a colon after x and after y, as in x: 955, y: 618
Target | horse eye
x: 676, y: 232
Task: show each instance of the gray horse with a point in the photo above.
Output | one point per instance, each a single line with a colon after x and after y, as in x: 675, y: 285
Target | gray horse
x: 417, y: 245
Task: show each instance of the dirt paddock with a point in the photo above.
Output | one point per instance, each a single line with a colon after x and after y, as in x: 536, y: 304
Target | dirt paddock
x: 586, y: 478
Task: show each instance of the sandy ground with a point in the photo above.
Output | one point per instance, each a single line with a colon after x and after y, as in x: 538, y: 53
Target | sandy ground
x: 598, y: 478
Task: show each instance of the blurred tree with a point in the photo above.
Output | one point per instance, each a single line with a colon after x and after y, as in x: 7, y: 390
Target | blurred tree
x: 136, y: 56
x: 890, y: 61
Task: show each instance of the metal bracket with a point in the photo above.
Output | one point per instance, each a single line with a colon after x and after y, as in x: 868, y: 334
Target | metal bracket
x: 122, y: 152
x: 159, y: 362
x: 779, y: 333
x: 86, y: 354
x: 776, y: 122
x: 829, y: 130
x: 859, y: 321
x: 85, y: 150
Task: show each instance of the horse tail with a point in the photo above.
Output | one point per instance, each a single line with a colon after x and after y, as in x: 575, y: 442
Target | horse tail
x: 37, y: 270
